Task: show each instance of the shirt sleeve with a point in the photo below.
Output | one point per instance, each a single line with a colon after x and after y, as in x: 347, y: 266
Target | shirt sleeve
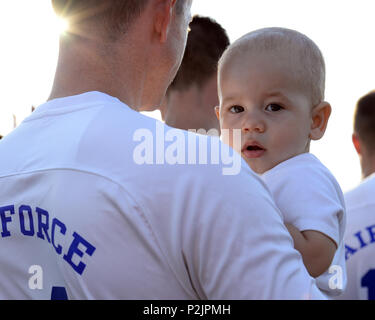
x: 308, y: 198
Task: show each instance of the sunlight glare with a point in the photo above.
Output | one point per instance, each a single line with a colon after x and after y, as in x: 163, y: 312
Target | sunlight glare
x: 62, y: 25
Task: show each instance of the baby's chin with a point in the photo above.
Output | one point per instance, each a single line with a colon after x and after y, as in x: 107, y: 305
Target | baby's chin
x: 260, y: 167
x: 256, y: 167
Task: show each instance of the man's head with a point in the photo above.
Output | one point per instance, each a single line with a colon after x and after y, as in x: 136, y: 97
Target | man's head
x: 364, y: 132
x: 192, y: 95
x: 271, y: 87
x: 111, y: 17
x: 141, y: 39
x: 114, y: 15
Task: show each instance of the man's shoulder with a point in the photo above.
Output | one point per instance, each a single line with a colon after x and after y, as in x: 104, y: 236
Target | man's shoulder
x: 129, y: 144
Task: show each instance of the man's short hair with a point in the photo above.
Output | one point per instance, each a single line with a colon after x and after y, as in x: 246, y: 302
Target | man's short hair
x: 206, y: 42
x: 302, y: 51
x: 114, y: 15
x: 364, y: 120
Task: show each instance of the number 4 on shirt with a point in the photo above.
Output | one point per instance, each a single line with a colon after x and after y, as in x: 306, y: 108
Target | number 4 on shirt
x: 59, y: 293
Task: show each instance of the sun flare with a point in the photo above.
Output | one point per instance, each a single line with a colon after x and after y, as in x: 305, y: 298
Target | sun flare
x: 61, y: 25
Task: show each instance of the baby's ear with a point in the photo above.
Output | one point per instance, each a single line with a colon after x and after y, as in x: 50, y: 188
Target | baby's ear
x: 217, y: 111
x: 320, y: 116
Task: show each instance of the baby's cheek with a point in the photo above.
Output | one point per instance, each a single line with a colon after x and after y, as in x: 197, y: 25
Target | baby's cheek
x: 288, y: 146
x: 226, y: 135
x: 232, y: 137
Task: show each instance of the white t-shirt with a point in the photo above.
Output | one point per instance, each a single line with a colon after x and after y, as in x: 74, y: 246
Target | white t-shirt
x: 76, y: 202
x: 360, y: 241
x: 310, y: 198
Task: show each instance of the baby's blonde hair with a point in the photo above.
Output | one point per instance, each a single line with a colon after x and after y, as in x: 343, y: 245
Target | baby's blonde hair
x: 301, y: 49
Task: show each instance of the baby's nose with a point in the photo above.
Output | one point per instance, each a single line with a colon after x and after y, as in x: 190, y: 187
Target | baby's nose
x: 253, y: 124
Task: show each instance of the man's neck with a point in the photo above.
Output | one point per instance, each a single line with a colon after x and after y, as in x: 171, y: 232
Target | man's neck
x: 85, y: 66
x: 190, y: 109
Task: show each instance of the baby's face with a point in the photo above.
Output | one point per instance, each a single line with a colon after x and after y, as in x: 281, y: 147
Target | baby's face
x: 260, y: 95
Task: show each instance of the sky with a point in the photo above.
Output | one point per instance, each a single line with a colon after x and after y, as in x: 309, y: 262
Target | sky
x: 343, y: 30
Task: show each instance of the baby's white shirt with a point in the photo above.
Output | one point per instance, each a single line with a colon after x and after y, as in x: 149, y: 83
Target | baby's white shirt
x: 310, y: 198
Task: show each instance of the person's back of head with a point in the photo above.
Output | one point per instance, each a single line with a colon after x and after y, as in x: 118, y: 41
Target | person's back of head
x: 114, y: 15
x: 364, y: 132
x: 206, y: 42
x: 192, y: 95
x: 130, y: 49
x: 360, y: 205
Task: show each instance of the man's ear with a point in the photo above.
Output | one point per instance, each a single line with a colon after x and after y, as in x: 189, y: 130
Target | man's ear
x: 356, y: 143
x: 164, y: 18
x: 320, y: 116
x: 217, y: 112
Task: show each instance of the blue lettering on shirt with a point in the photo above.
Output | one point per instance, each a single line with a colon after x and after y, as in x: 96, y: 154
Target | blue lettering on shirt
x: 47, y: 232
x: 5, y: 218
x: 22, y: 210
x: 56, y: 222
x: 359, y: 241
x: 43, y: 218
x: 74, y: 250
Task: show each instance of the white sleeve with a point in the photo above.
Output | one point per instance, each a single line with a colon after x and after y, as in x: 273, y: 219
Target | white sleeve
x: 247, y: 253
x: 308, y: 198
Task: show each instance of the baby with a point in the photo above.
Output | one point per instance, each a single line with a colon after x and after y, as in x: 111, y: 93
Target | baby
x: 271, y: 88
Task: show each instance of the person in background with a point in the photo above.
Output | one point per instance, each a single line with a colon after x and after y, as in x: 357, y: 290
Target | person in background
x: 360, y: 205
x: 191, y: 98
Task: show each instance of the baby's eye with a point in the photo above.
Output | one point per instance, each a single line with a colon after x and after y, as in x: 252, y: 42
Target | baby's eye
x: 273, y: 107
x: 236, y: 109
